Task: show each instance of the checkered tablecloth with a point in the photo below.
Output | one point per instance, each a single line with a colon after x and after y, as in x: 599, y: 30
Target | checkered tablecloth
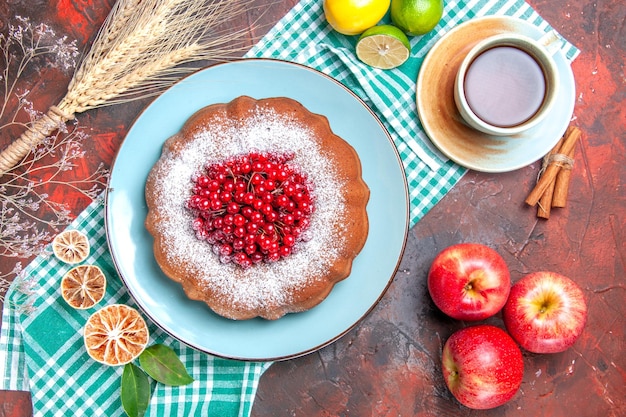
x: 304, y: 37
x: 41, y: 346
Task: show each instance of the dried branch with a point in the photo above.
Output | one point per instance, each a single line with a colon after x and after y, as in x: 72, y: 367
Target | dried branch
x: 140, y: 50
x: 29, y: 218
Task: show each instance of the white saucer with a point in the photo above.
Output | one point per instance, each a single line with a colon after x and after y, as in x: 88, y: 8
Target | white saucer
x: 442, y: 122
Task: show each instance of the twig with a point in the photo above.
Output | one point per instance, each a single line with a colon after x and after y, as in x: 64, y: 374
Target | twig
x: 138, y: 52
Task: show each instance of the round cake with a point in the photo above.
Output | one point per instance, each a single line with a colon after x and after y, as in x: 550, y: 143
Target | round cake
x: 257, y: 208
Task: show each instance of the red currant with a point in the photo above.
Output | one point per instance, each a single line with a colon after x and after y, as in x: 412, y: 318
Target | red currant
x: 252, y: 208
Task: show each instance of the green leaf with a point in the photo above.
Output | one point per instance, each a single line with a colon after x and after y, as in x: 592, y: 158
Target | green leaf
x: 162, y: 364
x: 135, y: 391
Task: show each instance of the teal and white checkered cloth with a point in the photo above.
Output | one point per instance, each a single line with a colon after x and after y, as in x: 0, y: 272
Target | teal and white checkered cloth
x: 304, y: 37
x: 41, y: 347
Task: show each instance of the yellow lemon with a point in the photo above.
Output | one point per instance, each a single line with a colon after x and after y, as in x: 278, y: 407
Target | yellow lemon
x: 352, y: 17
x: 416, y: 17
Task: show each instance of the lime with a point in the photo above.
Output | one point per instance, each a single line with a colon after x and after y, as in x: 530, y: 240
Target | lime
x: 351, y: 17
x: 383, y: 47
x: 416, y: 17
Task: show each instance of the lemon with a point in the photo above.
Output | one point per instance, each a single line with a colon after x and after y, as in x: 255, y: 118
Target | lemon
x: 351, y: 17
x: 416, y: 17
x: 71, y: 246
x: 383, y: 47
x: 83, y: 286
x: 115, y: 335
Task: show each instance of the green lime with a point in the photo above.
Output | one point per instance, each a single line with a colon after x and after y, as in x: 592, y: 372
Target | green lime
x: 383, y: 47
x: 416, y: 17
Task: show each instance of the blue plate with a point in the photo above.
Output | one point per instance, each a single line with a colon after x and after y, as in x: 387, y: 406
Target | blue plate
x: 192, y: 322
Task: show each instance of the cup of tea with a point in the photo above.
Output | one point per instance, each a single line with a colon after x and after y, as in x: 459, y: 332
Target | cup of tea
x: 508, y: 83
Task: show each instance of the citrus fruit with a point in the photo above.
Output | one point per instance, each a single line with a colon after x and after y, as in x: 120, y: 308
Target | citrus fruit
x: 83, y: 286
x: 351, y: 17
x: 383, y: 47
x: 115, y: 334
x: 71, y: 246
x: 416, y: 17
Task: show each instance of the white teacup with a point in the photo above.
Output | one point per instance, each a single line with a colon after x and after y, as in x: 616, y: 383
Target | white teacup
x: 508, y: 83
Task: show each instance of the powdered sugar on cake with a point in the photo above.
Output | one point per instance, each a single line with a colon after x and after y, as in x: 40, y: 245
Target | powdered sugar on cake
x: 263, y: 284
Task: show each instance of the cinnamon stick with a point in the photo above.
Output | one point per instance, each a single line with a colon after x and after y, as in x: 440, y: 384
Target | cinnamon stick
x: 571, y: 136
x: 545, y: 202
x: 561, y: 183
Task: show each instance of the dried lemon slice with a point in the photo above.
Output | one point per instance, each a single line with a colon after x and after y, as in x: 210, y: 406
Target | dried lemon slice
x: 71, y: 246
x: 115, y: 334
x: 83, y: 286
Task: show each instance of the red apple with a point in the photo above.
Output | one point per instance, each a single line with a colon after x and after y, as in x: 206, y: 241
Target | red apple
x: 545, y: 313
x: 482, y: 366
x: 469, y: 281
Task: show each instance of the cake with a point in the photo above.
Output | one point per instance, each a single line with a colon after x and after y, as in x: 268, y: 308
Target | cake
x: 257, y: 208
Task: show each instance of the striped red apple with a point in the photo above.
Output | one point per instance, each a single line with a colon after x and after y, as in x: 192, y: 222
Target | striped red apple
x: 545, y: 313
x: 482, y: 366
x: 469, y: 281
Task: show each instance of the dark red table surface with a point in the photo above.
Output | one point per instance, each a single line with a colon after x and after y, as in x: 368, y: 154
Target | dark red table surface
x: 389, y: 365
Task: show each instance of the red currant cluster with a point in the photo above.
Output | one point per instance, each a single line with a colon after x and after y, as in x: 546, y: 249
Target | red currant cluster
x: 252, y: 208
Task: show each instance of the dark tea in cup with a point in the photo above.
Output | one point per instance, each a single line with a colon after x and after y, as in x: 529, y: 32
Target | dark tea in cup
x: 504, y: 86
x: 507, y: 83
